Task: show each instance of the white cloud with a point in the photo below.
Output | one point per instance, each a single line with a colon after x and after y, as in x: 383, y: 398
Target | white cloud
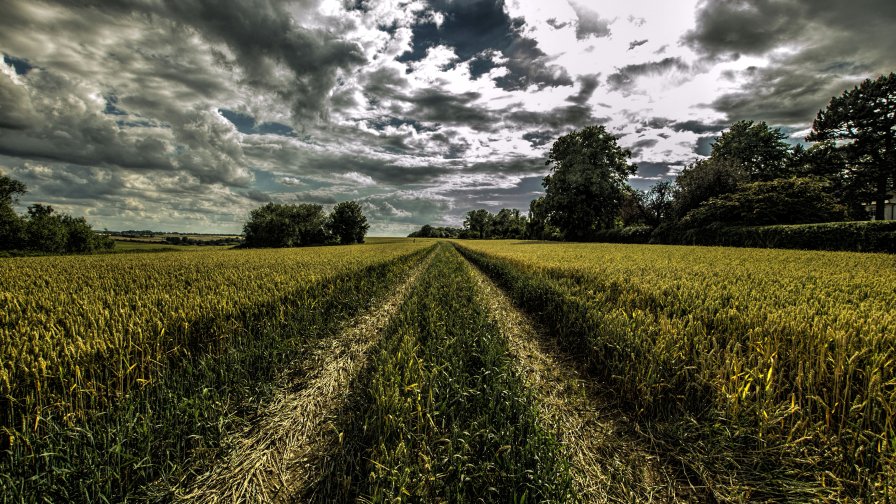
x: 359, y: 178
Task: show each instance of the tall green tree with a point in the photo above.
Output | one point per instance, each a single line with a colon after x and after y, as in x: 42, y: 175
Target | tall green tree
x: 757, y: 148
x: 537, y: 226
x: 479, y: 222
x: 347, y: 223
x: 659, y: 203
x: 277, y: 225
x: 44, y: 230
x: 587, y: 183
x: 509, y: 223
x: 862, y: 123
x: 632, y: 211
x: 11, y: 225
x: 705, y: 179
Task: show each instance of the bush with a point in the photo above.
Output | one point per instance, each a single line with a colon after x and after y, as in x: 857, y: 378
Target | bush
x: 862, y: 236
x: 781, y: 201
x: 631, y: 234
x: 347, y: 223
x: 276, y: 225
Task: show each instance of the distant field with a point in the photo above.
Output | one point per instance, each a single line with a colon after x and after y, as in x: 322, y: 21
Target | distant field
x: 427, y: 370
x: 151, y: 246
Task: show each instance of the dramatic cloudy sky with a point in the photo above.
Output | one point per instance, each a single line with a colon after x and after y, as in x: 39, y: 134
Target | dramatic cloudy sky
x: 186, y: 114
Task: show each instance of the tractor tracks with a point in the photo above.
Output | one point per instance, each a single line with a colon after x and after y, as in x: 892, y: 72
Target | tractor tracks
x: 276, y: 457
x: 609, y: 464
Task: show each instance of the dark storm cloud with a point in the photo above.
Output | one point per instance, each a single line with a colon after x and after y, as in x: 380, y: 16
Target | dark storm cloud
x: 755, y: 26
x: 833, y: 42
x: 441, y: 107
x: 788, y: 99
x: 330, y: 163
x: 553, y: 23
x: 746, y: 26
x: 636, y: 43
x: 382, y: 83
x: 51, y: 117
x: 257, y: 196
x: 588, y: 84
x: 559, y: 118
x: 540, y: 138
x: 69, y: 182
x: 529, y: 65
x: 788, y: 92
x: 624, y: 78
x: 261, y: 34
x: 698, y: 126
x: 641, y: 145
x: 476, y: 28
x: 589, y: 22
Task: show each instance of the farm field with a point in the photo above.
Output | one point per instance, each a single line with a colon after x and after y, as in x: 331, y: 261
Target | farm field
x: 768, y: 374
x: 424, y: 371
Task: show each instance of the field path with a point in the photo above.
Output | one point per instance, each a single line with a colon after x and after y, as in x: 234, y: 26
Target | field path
x: 276, y: 457
x: 609, y: 463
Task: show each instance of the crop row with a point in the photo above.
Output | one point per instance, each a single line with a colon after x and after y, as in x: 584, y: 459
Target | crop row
x: 120, y: 371
x: 771, y: 374
x: 440, y: 415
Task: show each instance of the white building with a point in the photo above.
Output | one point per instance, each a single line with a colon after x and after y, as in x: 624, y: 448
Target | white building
x: 889, y: 209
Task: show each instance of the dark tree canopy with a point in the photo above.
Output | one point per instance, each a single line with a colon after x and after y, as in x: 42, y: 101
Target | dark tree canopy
x: 508, y: 223
x: 479, y: 222
x: 538, y: 228
x: 10, y: 190
x: 587, y: 183
x: 428, y: 231
x: 781, y: 201
x: 862, y: 124
x: 347, y: 223
x: 659, y: 203
x: 277, y: 225
x: 10, y: 223
x: 758, y: 149
x: 704, y: 179
x: 42, y: 229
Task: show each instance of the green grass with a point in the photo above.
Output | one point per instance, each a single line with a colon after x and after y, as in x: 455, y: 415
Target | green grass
x: 440, y: 415
x: 138, y: 246
x: 162, y: 431
x: 769, y: 374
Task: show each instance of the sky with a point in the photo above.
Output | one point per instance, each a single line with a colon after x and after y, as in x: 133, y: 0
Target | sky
x: 184, y: 115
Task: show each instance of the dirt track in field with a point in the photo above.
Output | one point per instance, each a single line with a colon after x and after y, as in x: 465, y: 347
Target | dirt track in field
x: 609, y: 463
x: 276, y: 457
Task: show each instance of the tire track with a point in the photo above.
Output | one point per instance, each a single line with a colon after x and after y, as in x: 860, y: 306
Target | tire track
x: 276, y: 457
x: 609, y: 464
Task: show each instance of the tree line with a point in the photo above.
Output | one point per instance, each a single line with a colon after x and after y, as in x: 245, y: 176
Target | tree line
x: 752, y: 177
x: 42, y: 229
x: 294, y: 225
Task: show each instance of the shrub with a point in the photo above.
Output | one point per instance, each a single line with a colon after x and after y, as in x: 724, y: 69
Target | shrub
x: 862, y: 236
x: 631, y: 234
x: 781, y: 201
